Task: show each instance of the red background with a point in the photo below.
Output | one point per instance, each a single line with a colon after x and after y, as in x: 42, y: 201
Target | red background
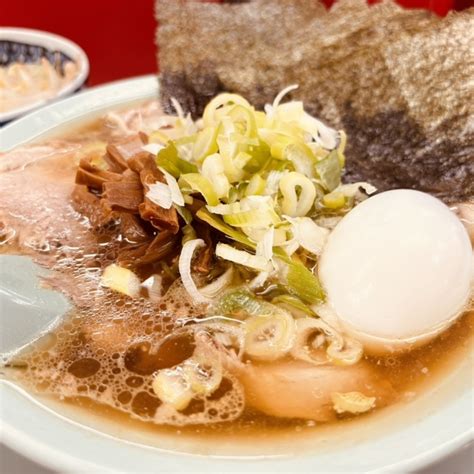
x: 119, y: 35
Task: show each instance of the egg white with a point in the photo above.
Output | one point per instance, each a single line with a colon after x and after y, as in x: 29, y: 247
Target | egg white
x: 397, y: 270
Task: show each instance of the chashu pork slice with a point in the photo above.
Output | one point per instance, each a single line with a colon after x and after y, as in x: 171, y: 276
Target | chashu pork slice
x: 296, y: 389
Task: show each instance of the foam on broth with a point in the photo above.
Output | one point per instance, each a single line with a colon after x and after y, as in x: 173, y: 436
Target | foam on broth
x: 102, y: 358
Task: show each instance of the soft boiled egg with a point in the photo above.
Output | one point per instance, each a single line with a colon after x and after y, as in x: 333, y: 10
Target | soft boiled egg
x: 397, y: 270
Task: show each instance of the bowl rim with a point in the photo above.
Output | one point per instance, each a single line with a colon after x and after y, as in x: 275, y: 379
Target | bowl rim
x: 84, y: 105
x: 50, y: 41
x: 42, y: 453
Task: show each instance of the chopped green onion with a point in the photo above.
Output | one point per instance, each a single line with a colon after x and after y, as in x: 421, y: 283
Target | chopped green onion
x: 260, y: 118
x: 302, y: 283
x: 175, y: 192
x: 223, y: 209
x: 325, y: 136
x: 329, y: 171
x: 341, y: 147
x: 200, y: 184
x: 280, y: 165
x: 241, y: 159
x: 188, y: 234
x: 158, y: 137
x: 344, y: 350
x: 294, y: 302
x: 269, y: 337
x: 302, y: 158
x: 203, y: 370
x: 243, y: 139
x: 121, y: 279
x: 282, y: 93
x: 168, y: 159
x: 184, y: 213
x: 256, y: 186
x: 233, y: 197
x: 210, y: 114
x: 308, y: 234
x: 334, y: 200
x: 315, y: 333
x: 228, y: 150
x: 219, y: 284
x: 218, y: 224
x: 205, y: 144
x: 187, y: 140
x: 171, y: 387
x: 213, y: 170
x: 350, y: 191
x: 257, y: 262
x: 240, y: 303
x: 295, y: 205
x: 352, y: 402
x: 254, y: 169
x: 260, y: 156
x: 300, y: 280
x: 244, y: 115
x: 253, y: 218
x: 279, y: 146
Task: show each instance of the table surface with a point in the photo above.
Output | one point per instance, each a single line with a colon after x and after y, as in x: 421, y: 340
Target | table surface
x: 460, y: 463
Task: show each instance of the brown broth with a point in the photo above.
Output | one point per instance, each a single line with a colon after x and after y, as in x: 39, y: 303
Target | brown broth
x: 108, y: 337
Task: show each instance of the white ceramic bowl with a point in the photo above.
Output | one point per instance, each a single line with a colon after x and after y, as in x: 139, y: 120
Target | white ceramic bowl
x: 54, y: 43
x: 398, y: 439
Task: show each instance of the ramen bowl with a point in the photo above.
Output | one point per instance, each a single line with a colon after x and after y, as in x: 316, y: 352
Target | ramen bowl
x: 409, y: 435
x: 27, y: 46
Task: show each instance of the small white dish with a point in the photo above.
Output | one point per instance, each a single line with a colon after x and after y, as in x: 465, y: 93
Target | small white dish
x: 398, y: 439
x: 54, y: 43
